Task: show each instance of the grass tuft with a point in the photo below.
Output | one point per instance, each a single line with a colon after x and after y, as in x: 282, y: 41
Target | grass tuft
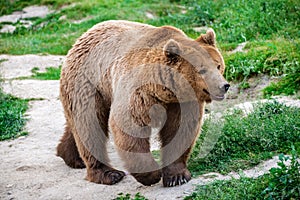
x: 274, y: 58
x: 240, y: 142
x: 283, y: 182
x: 127, y: 196
x: 12, y: 118
x: 288, y: 85
x: 52, y: 73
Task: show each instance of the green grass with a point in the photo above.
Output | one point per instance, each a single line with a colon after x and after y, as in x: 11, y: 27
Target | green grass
x: 127, y: 196
x: 156, y: 155
x: 12, y: 118
x: 275, y: 58
x: 237, y: 21
x: 240, y: 142
x: 283, y: 182
x: 234, y: 21
x: 288, y: 85
x: 52, y: 73
x: 271, y: 28
x: 54, y: 36
x: 243, y: 188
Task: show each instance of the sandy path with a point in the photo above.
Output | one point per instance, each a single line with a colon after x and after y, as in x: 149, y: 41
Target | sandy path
x: 29, y: 167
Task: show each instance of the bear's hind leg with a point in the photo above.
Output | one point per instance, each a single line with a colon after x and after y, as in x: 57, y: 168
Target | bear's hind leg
x: 99, y: 172
x: 97, y: 162
x: 92, y: 146
x: 68, y: 151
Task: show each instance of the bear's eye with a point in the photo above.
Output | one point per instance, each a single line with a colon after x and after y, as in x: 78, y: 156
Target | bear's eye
x: 202, y: 71
x: 219, y: 67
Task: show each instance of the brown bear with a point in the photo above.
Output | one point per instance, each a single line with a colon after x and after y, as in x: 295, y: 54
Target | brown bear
x: 128, y: 78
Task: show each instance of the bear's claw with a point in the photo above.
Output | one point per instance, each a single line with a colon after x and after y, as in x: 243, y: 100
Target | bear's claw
x: 115, y: 176
x: 107, y: 177
x: 178, y: 179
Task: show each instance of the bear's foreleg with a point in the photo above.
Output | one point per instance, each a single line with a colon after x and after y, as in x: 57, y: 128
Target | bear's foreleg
x: 135, y: 152
x: 177, y: 138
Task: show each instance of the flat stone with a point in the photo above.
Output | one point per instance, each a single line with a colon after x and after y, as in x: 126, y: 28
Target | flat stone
x: 36, y: 11
x: 12, y: 18
x: 201, y: 29
x: 239, y: 48
x: 26, y: 23
x: 8, y: 29
x: 81, y: 20
x: 150, y: 15
x: 63, y: 17
x: 28, y: 12
x: 20, y: 66
x: 27, y: 89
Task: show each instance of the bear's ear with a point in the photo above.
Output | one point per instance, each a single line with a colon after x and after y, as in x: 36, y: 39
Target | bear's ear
x: 208, y: 38
x: 172, y: 48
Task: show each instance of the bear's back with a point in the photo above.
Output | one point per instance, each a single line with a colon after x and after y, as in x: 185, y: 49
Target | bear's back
x: 115, y: 38
x: 97, y: 51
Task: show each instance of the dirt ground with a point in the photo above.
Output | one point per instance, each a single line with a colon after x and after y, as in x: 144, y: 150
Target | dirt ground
x: 31, y: 170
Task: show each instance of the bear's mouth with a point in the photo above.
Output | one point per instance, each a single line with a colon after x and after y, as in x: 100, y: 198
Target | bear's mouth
x: 214, y: 97
x: 204, y: 90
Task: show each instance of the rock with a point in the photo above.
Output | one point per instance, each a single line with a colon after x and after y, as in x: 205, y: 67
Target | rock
x: 36, y: 11
x: 28, y: 12
x: 20, y: 66
x: 9, y: 185
x: 150, y: 15
x: 28, y: 89
x: 63, y: 17
x: 239, y: 48
x: 26, y: 23
x: 8, y: 29
x: 201, y: 29
x: 12, y: 18
x: 81, y: 20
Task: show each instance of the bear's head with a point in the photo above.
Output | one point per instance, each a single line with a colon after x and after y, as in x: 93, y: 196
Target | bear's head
x: 201, y: 63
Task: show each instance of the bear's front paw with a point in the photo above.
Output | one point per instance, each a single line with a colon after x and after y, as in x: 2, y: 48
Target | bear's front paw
x: 171, y: 179
x: 148, y: 178
x: 107, y: 177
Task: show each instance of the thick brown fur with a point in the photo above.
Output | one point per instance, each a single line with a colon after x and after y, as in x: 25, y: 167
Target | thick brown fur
x: 105, y: 62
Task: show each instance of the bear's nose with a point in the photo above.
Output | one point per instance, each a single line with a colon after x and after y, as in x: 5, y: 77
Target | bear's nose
x: 225, y: 87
